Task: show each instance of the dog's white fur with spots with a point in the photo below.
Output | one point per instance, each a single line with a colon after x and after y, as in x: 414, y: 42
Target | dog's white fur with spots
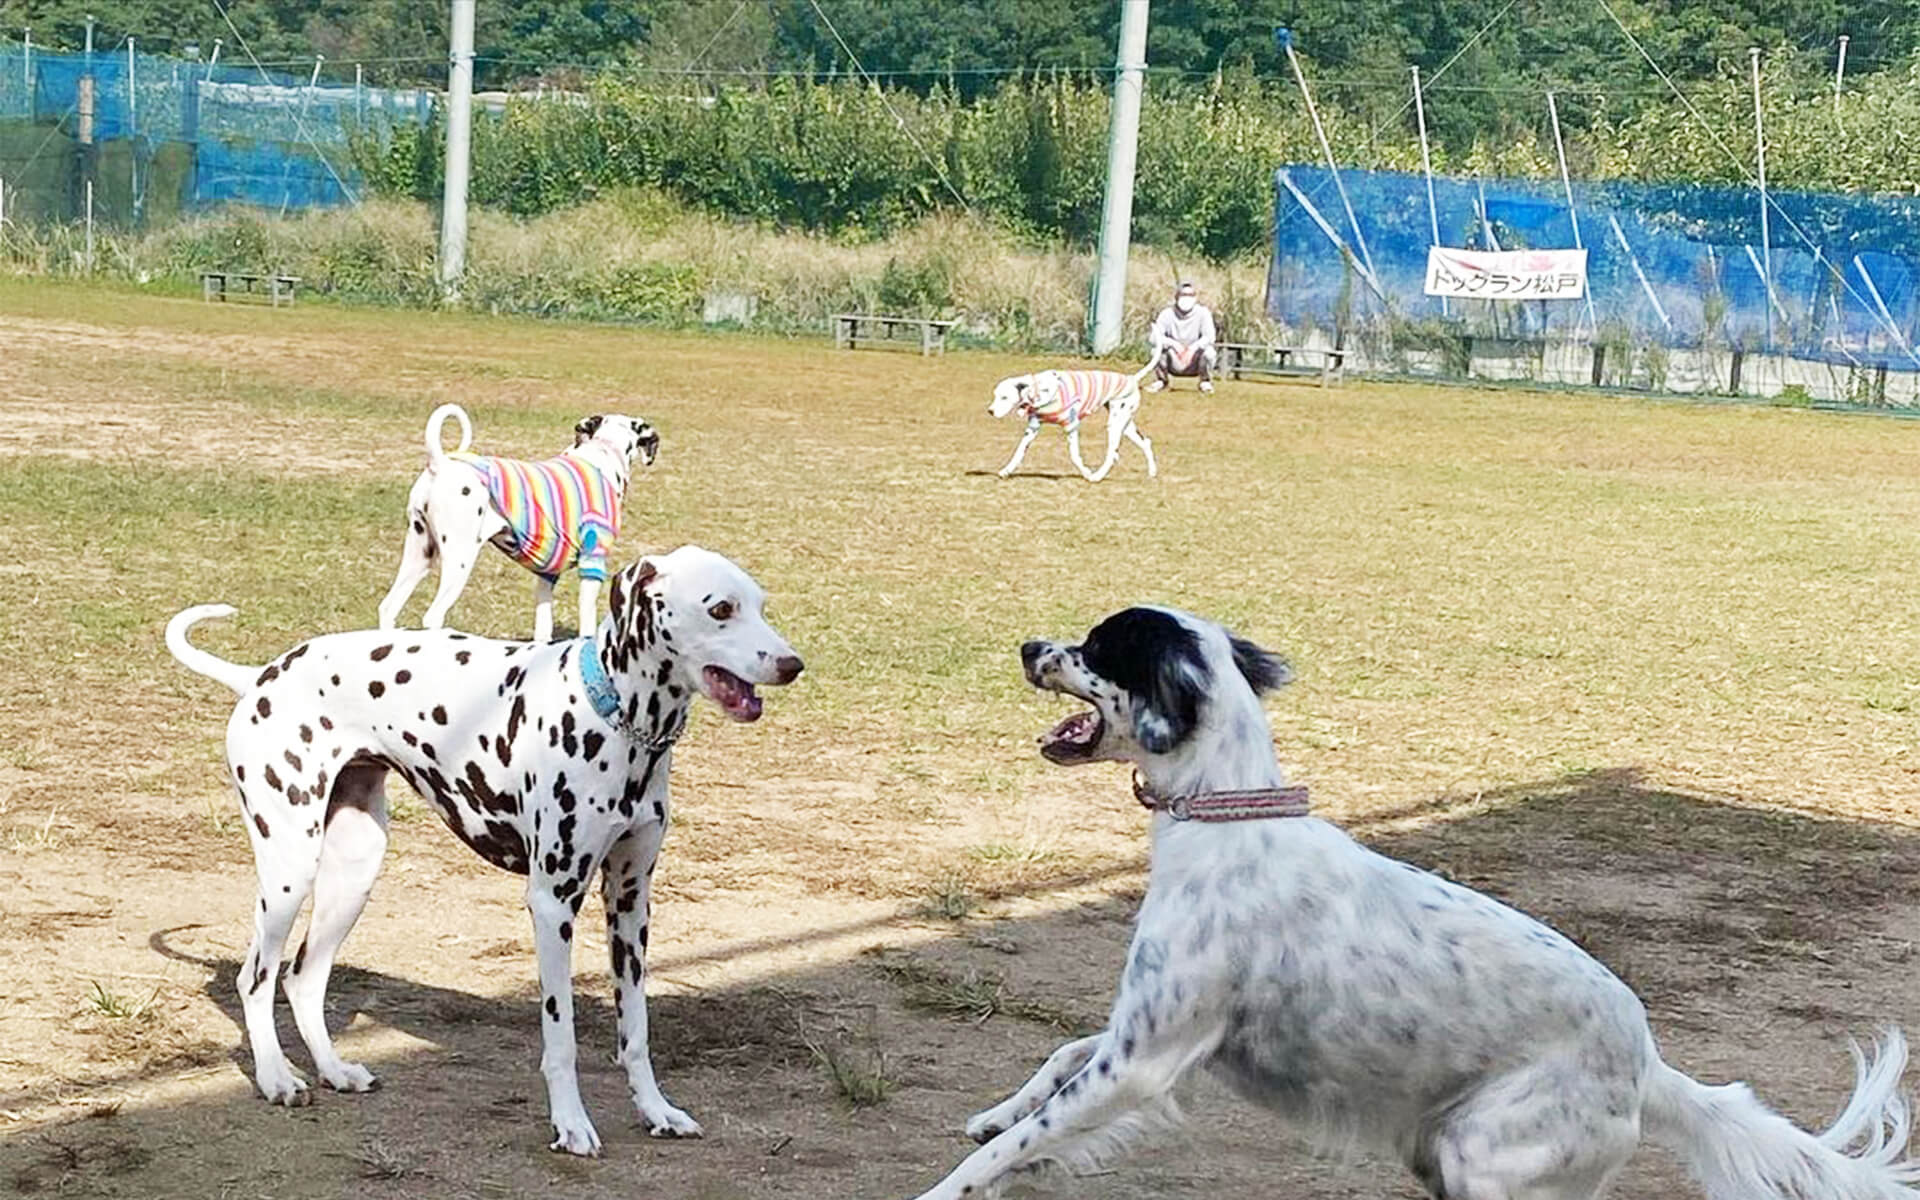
x: 1369, y: 1003
x: 450, y: 516
x: 1026, y: 392
x: 505, y: 740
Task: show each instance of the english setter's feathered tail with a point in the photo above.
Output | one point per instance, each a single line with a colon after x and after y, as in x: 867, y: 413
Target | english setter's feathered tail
x: 1740, y: 1149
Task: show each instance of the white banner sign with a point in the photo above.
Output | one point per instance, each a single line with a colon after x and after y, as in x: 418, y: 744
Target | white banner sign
x: 1507, y: 274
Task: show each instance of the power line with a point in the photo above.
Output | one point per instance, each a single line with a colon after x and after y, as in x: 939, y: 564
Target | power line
x: 715, y: 39
x: 935, y: 163
x: 298, y: 122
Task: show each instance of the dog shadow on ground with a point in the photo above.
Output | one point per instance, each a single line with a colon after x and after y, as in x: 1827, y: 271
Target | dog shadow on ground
x: 1759, y: 938
x: 985, y: 474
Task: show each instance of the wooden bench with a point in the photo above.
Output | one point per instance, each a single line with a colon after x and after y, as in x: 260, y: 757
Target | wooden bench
x: 221, y: 285
x: 1258, y: 358
x: 847, y: 331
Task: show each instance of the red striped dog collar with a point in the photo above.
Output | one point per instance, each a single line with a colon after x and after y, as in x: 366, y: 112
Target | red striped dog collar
x: 1252, y: 805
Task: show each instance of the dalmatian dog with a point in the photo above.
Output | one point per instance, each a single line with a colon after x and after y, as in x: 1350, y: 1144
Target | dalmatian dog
x: 1367, y: 1003
x: 548, y: 759
x: 1065, y: 398
x: 547, y: 516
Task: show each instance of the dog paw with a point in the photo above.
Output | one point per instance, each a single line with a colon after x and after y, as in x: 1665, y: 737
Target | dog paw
x: 670, y: 1122
x: 284, y: 1087
x: 989, y: 1125
x: 1005, y: 473
x: 576, y: 1137
x: 350, y: 1077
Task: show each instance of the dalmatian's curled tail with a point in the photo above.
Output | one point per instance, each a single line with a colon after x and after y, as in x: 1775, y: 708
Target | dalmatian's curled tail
x: 234, y: 675
x: 436, y: 452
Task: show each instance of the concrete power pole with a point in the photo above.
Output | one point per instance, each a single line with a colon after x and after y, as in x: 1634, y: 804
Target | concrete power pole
x: 453, y: 196
x: 1116, y: 219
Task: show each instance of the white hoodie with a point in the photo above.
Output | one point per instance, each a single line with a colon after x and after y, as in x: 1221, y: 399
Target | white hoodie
x: 1171, y: 328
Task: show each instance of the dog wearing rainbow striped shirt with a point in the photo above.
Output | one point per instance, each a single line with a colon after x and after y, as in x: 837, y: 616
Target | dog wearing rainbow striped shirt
x: 1065, y: 398
x: 547, y: 516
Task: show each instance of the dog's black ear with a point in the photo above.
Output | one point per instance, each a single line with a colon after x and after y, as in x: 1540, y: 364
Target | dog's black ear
x: 1020, y: 385
x: 1156, y: 658
x: 629, y: 611
x: 1264, y: 670
x: 587, y: 427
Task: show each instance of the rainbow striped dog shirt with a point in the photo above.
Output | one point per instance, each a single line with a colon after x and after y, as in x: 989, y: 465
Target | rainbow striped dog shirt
x: 560, y: 511
x: 1079, y: 394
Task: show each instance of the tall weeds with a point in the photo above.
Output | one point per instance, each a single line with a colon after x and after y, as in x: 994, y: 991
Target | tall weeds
x: 633, y: 255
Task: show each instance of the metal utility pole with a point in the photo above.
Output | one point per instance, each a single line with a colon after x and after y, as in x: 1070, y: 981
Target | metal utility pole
x: 453, y: 198
x: 1116, y: 218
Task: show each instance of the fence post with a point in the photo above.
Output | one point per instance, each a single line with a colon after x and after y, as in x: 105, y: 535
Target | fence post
x: 137, y: 201
x: 190, y: 133
x: 1760, y: 162
x: 89, y: 226
x: 1839, y: 76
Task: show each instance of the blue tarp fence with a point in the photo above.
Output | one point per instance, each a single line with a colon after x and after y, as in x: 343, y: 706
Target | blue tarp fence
x: 244, y: 135
x: 1675, y: 265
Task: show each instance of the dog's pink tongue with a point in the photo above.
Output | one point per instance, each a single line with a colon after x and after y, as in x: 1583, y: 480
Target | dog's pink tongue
x: 734, y: 695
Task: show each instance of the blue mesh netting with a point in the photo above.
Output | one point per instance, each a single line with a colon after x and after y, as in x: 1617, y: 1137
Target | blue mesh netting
x: 1845, y: 269
x: 258, y: 137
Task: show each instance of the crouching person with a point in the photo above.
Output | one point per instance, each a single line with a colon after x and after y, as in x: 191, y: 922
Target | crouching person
x: 1183, y: 341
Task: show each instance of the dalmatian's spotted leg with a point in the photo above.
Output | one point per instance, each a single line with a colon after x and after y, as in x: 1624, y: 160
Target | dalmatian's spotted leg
x: 1020, y: 451
x: 351, y: 849
x: 1119, y: 424
x: 462, y: 524
x: 554, y: 902
x: 286, y: 865
x: 625, y: 885
x: 416, y: 559
x: 1073, y: 451
x: 1146, y: 447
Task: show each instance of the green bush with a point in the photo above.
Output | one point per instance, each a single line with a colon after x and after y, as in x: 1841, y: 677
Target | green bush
x: 850, y: 160
x: 847, y: 159
x: 666, y: 292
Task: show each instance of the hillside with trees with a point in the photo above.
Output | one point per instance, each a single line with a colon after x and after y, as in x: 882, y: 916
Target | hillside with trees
x: 1489, y: 50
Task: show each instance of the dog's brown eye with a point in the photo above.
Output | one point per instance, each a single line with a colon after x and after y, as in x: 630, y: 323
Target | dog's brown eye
x: 722, y: 611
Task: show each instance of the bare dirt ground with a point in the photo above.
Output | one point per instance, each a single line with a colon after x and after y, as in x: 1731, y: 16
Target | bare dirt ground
x: 1642, y: 670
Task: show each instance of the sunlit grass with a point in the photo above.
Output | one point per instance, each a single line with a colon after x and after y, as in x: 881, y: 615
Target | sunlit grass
x: 1476, y: 588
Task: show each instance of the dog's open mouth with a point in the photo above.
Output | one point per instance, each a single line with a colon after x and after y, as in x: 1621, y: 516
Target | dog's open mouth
x: 1073, y: 739
x: 734, y: 695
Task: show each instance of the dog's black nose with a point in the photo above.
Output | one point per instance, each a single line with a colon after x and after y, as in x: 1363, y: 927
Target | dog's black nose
x: 1031, y: 652
x: 787, y: 668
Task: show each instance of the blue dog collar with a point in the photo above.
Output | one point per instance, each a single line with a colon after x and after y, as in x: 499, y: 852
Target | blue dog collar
x: 606, y: 701
x: 600, y: 692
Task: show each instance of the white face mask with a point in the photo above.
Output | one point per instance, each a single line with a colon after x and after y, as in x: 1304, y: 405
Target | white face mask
x: 1183, y: 304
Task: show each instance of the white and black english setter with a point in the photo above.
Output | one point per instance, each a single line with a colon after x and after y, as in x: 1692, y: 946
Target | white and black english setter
x: 1365, y: 1001
x: 550, y: 760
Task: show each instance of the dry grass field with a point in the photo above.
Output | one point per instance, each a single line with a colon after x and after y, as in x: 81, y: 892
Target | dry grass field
x: 1648, y: 670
